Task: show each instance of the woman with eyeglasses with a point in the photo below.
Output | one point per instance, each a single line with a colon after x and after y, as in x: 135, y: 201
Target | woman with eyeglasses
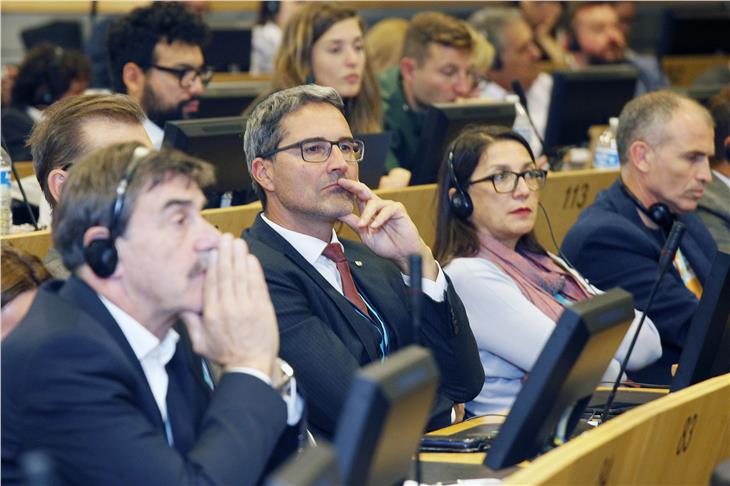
x: 513, y: 290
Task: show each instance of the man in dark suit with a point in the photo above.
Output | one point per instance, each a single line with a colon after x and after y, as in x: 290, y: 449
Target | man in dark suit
x: 664, y: 141
x: 339, y: 311
x: 96, y: 377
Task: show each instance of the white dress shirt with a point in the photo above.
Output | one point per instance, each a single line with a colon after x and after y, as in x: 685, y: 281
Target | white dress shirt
x: 154, y: 355
x: 538, y: 103
x: 154, y: 132
x: 311, y: 249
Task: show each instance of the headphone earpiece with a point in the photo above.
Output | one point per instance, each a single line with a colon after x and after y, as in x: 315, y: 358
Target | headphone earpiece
x: 460, y: 202
x: 101, y: 256
x: 659, y: 213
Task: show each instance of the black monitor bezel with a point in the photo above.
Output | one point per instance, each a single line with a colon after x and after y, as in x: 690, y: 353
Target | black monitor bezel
x: 706, y: 350
x: 555, y: 381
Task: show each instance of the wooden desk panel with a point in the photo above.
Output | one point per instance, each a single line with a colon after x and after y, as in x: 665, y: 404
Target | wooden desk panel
x: 36, y: 243
x: 676, y: 439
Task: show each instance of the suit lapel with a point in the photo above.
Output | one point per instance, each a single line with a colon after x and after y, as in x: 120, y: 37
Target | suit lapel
x: 262, y: 232
x: 77, y: 291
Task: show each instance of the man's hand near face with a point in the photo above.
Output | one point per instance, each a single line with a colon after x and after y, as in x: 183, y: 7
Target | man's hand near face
x: 238, y: 326
x: 386, y: 228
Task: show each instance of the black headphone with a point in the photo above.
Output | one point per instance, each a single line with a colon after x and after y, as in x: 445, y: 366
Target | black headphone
x: 460, y: 201
x: 659, y: 213
x: 101, y: 254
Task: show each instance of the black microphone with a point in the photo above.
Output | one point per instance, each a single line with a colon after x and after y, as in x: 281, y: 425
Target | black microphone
x: 665, y: 258
x: 26, y: 204
x: 517, y: 88
x: 416, y: 292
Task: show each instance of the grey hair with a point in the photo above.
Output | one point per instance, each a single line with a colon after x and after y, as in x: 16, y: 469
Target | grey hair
x: 263, y: 131
x: 644, y: 117
x: 491, y: 23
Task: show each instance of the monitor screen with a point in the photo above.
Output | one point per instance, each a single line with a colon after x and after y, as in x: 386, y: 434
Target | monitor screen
x: 442, y: 124
x: 220, y: 142
x: 563, y: 378
x: 706, y: 351
x: 228, y: 98
x: 581, y: 99
x: 372, y: 166
x: 384, y: 417
x: 229, y: 49
x: 700, y: 30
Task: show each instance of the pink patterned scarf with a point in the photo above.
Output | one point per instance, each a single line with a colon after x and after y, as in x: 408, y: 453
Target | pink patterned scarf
x: 538, y: 276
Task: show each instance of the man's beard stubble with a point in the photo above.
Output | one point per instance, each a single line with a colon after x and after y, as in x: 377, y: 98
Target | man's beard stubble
x: 159, y: 115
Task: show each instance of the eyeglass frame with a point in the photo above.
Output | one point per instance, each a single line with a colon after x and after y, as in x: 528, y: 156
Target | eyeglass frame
x: 204, y: 73
x: 519, y: 175
x: 301, y: 143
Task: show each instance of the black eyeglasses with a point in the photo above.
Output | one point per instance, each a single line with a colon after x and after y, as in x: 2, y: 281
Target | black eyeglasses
x: 186, y: 76
x: 318, y: 150
x: 506, y: 181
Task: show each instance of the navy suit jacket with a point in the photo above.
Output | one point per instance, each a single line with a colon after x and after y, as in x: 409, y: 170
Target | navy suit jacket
x: 72, y: 386
x: 612, y: 247
x: 327, y: 341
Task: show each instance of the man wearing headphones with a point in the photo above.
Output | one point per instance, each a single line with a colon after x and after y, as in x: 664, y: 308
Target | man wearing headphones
x: 714, y: 207
x: 664, y: 141
x: 96, y: 378
x: 515, y: 59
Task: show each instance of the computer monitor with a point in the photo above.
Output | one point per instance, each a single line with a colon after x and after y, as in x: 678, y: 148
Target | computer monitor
x: 442, y: 124
x: 220, y: 142
x: 384, y: 417
x: 581, y: 99
x: 706, y: 351
x: 314, y: 466
x: 372, y: 166
x: 563, y: 378
x: 229, y: 98
x: 229, y: 49
x: 697, y: 30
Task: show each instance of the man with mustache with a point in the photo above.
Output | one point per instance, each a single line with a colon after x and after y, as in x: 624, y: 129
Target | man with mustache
x: 665, y: 141
x: 342, y: 304
x: 97, y: 378
x: 156, y: 57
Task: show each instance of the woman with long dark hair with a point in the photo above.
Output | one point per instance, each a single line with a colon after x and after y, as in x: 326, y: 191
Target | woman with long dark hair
x: 513, y: 290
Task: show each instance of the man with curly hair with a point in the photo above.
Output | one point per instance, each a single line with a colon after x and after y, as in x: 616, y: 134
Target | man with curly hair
x: 156, y: 57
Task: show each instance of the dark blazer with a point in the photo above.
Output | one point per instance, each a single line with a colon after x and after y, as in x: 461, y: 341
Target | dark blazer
x: 612, y: 247
x: 72, y: 386
x: 326, y: 340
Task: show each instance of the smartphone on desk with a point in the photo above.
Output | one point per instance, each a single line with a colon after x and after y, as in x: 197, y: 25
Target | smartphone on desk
x: 447, y: 443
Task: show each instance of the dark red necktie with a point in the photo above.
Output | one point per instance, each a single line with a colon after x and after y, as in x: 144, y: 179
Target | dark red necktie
x: 334, y: 252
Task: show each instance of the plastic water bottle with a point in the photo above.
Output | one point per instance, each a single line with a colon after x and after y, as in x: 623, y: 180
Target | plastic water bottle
x: 606, y: 156
x: 6, y: 198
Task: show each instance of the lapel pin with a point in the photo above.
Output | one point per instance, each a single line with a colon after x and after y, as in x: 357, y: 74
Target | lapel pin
x: 358, y: 263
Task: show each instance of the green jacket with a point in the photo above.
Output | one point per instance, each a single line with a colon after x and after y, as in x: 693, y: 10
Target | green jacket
x: 398, y: 118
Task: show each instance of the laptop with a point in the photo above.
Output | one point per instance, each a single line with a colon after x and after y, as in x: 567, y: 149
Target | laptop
x: 372, y: 166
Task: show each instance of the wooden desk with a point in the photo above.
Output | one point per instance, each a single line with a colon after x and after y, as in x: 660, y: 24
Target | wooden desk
x: 683, y: 70
x: 676, y: 439
x: 36, y: 243
x: 24, y: 169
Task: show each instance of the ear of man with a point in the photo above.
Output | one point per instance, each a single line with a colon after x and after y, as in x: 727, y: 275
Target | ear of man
x: 134, y: 79
x: 641, y: 156
x: 407, y: 68
x: 261, y: 173
x: 55, y: 181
